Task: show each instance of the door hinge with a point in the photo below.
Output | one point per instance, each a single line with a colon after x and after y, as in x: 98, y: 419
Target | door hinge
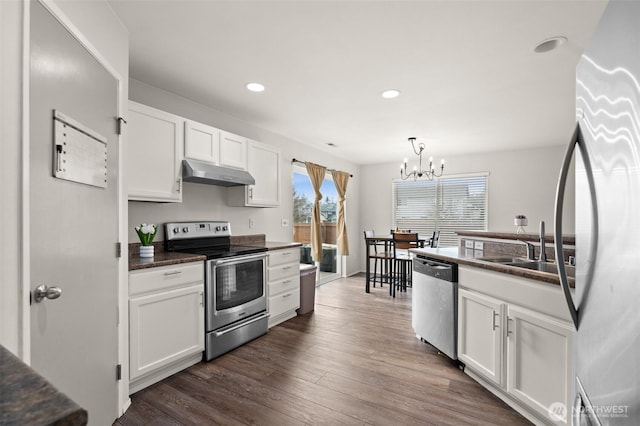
x: 119, y: 372
x: 118, y: 249
x: 120, y: 120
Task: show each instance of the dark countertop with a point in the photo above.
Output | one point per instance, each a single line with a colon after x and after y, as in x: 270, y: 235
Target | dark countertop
x: 27, y: 398
x: 528, y: 236
x: 458, y: 255
x: 165, y: 258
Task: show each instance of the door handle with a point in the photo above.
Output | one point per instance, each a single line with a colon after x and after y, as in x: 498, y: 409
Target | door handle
x: 578, y: 140
x: 43, y: 292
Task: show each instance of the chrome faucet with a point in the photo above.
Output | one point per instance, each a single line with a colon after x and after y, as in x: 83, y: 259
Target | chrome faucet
x: 531, y: 250
x: 543, y: 254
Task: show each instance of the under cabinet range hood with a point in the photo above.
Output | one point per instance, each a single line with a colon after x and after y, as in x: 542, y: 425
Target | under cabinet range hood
x: 208, y: 174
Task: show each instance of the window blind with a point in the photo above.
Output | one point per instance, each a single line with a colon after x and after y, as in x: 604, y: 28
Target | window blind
x: 447, y: 205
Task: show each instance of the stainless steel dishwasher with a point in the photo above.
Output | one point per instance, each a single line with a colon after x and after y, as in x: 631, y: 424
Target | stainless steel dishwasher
x: 434, y: 306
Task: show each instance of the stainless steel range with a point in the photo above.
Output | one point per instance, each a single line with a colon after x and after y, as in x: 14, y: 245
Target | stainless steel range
x: 235, y: 283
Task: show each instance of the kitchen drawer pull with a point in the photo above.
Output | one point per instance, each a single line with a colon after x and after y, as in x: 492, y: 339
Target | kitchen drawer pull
x: 286, y: 268
x: 286, y: 295
x: 495, y: 314
x: 286, y: 282
x: 166, y: 274
x: 286, y: 253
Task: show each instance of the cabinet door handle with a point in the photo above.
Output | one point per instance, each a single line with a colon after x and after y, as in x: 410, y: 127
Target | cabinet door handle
x: 508, y: 328
x: 167, y: 274
x: 250, y: 192
x: 178, y: 185
x: 494, y: 325
x: 202, y: 298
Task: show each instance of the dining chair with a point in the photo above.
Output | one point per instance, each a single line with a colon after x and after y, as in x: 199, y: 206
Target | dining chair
x: 402, y: 242
x: 435, y: 239
x: 380, y: 253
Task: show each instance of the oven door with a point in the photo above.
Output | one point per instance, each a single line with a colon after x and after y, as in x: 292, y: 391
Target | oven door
x: 235, y: 289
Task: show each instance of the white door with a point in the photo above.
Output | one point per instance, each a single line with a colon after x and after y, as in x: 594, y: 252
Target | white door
x: 73, y: 226
x: 539, y: 369
x: 480, y: 334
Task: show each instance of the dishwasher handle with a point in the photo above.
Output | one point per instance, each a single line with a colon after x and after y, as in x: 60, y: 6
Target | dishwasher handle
x: 435, y: 268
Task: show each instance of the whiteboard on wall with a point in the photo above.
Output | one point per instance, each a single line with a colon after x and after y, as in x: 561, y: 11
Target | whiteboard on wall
x: 79, y: 153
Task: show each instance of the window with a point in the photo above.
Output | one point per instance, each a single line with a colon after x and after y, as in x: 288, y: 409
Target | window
x: 446, y: 205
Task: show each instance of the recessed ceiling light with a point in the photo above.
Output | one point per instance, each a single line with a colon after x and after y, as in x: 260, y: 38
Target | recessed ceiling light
x: 550, y: 44
x: 390, y: 94
x: 255, y: 87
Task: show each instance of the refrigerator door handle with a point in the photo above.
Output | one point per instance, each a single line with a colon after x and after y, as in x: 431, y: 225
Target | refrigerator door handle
x: 576, y: 139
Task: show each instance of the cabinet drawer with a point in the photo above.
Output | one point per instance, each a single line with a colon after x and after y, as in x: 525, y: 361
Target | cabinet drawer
x: 165, y: 277
x: 284, y: 271
x: 279, y: 257
x: 289, y: 283
x: 287, y: 301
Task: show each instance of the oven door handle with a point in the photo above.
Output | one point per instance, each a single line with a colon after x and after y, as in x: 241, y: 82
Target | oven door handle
x: 234, y: 327
x: 238, y: 259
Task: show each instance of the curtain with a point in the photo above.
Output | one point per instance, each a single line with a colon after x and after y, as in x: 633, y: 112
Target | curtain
x: 316, y: 175
x: 341, y: 179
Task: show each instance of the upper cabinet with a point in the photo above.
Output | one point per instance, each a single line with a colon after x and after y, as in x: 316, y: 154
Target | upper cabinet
x: 201, y: 142
x: 154, y: 154
x: 158, y: 141
x: 215, y: 146
x: 233, y: 151
x: 263, y: 163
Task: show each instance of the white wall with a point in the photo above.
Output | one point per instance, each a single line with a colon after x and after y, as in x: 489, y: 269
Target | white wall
x: 520, y: 182
x: 206, y: 202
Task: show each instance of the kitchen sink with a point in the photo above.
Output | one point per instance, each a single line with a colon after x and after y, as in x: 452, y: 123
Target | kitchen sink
x: 504, y: 260
x: 534, y: 265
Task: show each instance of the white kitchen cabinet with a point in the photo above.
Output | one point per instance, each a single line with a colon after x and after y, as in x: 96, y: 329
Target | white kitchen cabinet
x: 480, y: 342
x: 283, y: 284
x: 233, y: 151
x: 154, y: 154
x: 166, y: 322
x: 539, y: 369
x: 515, y: 336
x: 263, y: 163
x: 201, y: 142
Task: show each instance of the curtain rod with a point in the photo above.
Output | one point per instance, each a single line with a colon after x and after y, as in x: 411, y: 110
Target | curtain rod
x: 304, y: 162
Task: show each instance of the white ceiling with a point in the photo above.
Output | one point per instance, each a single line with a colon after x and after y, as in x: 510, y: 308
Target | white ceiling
x: 469, y: 78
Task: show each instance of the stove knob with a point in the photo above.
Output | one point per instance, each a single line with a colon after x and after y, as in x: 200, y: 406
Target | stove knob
x: 218, y: 228
x: 176, y: 230
x: 185, y: 229
x: 224, y: 228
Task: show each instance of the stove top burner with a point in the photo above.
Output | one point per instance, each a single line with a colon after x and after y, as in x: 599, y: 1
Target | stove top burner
x: 220, y: 252
x: 211, y: 239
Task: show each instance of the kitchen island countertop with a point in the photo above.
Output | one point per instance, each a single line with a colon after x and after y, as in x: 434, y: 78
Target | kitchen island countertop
x: 462, y: 256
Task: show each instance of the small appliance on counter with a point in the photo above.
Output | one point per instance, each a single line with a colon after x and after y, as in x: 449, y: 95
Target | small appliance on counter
x: 235, y: 283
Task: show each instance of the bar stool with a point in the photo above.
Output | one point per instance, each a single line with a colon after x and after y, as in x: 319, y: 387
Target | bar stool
x: 385, y: 257
x: 402, y: 242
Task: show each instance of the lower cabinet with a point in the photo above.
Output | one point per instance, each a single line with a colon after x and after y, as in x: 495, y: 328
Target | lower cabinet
x: 166, y: 322
x: 516, y: 343
x: 283, y: 284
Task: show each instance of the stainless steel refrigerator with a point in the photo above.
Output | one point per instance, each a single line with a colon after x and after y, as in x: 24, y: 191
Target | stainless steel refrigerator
x: 606, y: 303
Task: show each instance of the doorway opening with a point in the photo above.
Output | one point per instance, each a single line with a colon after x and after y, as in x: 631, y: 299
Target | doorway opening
x: 329, y: 267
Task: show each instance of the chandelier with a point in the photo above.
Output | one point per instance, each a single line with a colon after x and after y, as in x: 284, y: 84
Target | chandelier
x: 417, y: 171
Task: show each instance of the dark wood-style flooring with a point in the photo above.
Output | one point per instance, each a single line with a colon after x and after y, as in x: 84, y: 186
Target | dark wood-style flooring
x: 354, y: 360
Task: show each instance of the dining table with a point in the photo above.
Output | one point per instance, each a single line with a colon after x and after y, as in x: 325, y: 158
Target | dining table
x: 387, y: 241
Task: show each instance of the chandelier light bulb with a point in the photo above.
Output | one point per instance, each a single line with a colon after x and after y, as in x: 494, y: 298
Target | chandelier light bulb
x: 417, y: 171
